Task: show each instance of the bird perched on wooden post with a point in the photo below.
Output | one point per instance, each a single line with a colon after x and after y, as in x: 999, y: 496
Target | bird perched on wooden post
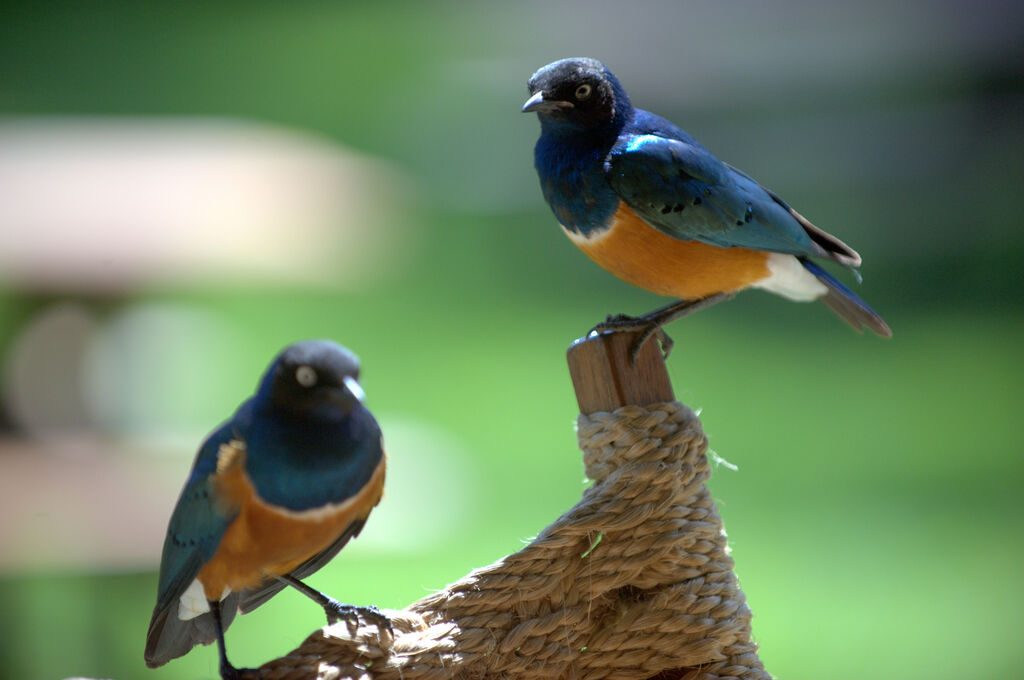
x: 274, y: 493
x: 651, y: 205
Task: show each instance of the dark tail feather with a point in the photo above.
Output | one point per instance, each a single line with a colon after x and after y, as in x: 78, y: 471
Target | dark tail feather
x: 831, y: 247
x: 169, y: 637
x: 847, y: 304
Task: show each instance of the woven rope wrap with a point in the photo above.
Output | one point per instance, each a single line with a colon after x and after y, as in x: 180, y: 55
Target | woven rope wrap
x: 633, y: 582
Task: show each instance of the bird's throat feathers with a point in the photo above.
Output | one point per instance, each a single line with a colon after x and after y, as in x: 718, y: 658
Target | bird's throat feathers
x: 571, y: 171
x: 325, y: 461
x: 570, y: 154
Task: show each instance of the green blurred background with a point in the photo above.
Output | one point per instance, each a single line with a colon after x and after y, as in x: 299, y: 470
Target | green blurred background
x: 876, y: 513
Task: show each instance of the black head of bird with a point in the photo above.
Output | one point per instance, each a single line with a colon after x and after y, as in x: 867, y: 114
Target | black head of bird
x: 312, y: 376
x: 578, y: 92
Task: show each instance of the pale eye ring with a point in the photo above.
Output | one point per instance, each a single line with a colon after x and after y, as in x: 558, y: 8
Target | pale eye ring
x: 583, y: 91
x: 305, y: 376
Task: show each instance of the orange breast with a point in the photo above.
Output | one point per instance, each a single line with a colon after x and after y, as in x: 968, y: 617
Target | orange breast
x: 265, y: 540
x: 640, y: 254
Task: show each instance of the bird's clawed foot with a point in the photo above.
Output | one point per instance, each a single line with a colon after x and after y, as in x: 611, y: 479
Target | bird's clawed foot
x: 337, y: 611
x: 647, y: 328
x: 650, y: 324
x: 229, y: 672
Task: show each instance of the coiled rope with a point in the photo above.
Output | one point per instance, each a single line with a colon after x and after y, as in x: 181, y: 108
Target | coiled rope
x: 635, y: 581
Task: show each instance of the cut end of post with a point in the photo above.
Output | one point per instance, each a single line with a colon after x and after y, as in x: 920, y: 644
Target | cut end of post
x: 605, y: 378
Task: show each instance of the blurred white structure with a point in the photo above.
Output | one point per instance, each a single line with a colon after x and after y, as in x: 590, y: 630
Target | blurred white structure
x: 107, y: 204
x: 106, y: 207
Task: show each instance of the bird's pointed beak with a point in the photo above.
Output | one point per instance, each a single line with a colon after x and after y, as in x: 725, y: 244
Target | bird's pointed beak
x: 353, y: 386
x: 536, y: 102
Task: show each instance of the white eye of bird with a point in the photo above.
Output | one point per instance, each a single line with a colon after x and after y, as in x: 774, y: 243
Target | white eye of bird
x: 583, y: 91
x: 305, y: 376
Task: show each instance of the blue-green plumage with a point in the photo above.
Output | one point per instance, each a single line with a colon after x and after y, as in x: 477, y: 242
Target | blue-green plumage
x: 570, y: 154
x: 326, y: 460
x: 197, y: 524
x: 680, y: 188
x: 193, y: 534
x: 575, y: 187
x: 308, y: 443
x: 656, y: 168
x: 597, y: 156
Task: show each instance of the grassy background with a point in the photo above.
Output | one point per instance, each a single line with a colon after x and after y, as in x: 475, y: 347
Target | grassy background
x: 875, y: 517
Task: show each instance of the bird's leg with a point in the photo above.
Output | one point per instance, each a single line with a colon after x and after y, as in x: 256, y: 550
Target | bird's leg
x: 227, y: 671
x: 335, y: 610
x: 651, y: 323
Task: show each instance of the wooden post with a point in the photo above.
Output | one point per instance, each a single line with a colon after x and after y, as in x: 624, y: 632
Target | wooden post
x: 605, y: 378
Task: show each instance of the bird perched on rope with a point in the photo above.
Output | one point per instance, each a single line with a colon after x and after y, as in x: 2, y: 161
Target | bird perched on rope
x: 651, y: 205
x: 274, y: 493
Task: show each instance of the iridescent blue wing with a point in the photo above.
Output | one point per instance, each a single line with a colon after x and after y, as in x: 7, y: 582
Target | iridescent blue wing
x: 197, y: 525
x: 681, y: 189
